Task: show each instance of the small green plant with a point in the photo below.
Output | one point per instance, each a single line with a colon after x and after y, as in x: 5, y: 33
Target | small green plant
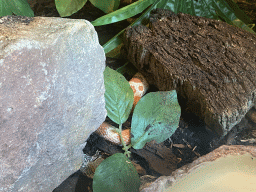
x: 155, y: 117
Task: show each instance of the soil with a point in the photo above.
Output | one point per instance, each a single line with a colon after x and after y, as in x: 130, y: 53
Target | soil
x: 192, y: 138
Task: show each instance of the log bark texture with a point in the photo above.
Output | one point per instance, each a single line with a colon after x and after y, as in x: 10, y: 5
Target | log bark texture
x: 211, y: 64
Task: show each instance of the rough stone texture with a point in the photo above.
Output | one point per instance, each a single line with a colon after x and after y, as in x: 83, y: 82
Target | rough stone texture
x: 164, y: 182
x: 51, y: 99
x: 212, y: 65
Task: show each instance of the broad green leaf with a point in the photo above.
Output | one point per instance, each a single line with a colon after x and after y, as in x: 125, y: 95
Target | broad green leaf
x: 106, y: 6
x: 4, y: 9
x: 118, y: 96
x: 116, y: 173
x: 68, y: 7
x: 155, y: 117
x: 18, y: 7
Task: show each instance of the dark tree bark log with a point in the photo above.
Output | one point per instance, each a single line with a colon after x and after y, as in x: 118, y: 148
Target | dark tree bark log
x: 211, y: 64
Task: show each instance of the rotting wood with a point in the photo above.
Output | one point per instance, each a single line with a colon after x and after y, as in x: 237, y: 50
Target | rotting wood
x: 212, y: 65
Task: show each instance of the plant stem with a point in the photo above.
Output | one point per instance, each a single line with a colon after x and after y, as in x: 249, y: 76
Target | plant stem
x: 125, y: 148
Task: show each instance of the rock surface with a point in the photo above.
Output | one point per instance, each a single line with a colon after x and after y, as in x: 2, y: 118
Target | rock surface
x: 210, y: 64
x: 171, y: 182
x: 51, y: 99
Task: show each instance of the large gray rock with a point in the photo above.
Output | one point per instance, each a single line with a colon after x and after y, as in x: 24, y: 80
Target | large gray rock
x: 51, y: 99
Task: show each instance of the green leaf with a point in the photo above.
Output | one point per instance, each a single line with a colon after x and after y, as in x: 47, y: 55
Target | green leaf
x: 123, y: 13
x: 116, y: 173
x: 106, y: 6
x: 18, y: 7
x: 118, y: 96
x: 4, y: 9
x: 238, y: 12
x: 155, y: 117
x: 68, y: 7
x: 220, y: 9
x: 229, y: 15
